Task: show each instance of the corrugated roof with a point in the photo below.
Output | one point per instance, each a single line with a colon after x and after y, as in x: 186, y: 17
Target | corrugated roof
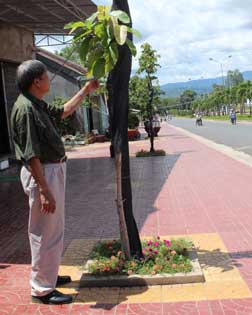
x: 60, y: 65
x: 45, y: 16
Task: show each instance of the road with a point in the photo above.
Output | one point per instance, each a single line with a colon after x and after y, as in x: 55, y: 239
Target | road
x: 239, y: 136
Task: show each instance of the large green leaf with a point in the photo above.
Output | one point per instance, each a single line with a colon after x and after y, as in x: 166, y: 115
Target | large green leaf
x: 132, y: 47
x: 80, y: 35
x: 84, y: 47
x: 121, y: 16
x: 113, y: 50
x: 100, y: 30
x: 99, y: 68
x: 109, y: 65
x: 121, y: 33
x: 92, y: 17
x: 134, y: 32
x: 74, y: 26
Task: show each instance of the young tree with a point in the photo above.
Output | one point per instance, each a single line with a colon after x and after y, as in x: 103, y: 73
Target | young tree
x: 186, y: 99
x: 148, y: 65
x: 106, y: 50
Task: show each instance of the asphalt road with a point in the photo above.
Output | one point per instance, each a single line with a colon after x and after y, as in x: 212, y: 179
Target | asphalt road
x: 237, y: 136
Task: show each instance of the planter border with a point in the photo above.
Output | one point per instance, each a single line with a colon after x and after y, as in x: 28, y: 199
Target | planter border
x: 195, y: 276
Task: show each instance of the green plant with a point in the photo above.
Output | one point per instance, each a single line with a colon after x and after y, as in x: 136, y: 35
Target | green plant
x: 159, y: 256
x: 65, y: 126
x: 144, y: 153
x: 133, y: 121
x: 98, y: 38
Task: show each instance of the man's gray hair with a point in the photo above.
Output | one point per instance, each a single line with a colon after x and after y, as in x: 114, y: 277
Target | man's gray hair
x: 27, y: 72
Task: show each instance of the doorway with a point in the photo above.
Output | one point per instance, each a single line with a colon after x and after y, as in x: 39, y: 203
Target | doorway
x: 4, y: 136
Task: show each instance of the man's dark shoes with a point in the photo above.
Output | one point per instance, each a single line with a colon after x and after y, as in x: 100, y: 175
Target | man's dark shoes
x: 63, y: 280
x: 55, y: 297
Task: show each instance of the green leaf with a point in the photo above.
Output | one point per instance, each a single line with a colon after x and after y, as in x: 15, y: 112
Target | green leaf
x: 100, y: 30
x: 92, y: 18
x: 132, y: 47
x: 80, y: 35
x: 74, y: 26
x: 99, y: 68
x: 120, y: 32
x: 109, y: 65
x: 84, y: 47
x: 68, y: 25
x: 121, y: 16
x: 134, y: 32
x: 113, y: 50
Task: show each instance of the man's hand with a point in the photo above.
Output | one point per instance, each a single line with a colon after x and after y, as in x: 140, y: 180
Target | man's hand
x: 47, y: 201
x: 91, y: 86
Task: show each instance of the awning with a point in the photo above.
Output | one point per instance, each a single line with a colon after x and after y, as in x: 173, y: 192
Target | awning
x: 45, y: 16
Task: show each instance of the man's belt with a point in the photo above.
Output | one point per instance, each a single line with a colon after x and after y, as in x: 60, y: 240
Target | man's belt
x: 62, y: 160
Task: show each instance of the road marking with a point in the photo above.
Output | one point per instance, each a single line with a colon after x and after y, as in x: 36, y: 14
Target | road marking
x: 234, y: 154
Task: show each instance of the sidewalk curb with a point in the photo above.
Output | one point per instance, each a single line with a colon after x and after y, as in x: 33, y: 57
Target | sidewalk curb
x: 228, y: 151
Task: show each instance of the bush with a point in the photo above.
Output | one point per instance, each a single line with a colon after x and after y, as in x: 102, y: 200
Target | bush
x: 159, y: 256
x: 133, y: 121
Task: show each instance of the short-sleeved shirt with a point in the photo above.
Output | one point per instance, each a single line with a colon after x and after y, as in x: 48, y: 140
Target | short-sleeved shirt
x: 34, y: 131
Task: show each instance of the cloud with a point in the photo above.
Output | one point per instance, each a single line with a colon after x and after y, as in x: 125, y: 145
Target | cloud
x: 186, y: 33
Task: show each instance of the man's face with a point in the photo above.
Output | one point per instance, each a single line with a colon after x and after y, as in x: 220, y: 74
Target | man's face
x: 43, y: 83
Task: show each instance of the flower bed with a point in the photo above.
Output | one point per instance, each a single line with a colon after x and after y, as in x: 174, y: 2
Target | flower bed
x: 159, y: 256
x: 144, y: 153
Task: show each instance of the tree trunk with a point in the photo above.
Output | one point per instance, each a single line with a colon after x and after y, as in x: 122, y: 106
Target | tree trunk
x: 150, y: 112
x: 118, y: 103
x: 120, y: 207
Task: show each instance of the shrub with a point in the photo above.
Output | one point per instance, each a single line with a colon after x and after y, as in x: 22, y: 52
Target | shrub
x: 133, y: 121
x: 159, y: 256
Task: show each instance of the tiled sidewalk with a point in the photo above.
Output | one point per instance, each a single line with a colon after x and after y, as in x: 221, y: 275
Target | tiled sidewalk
x: 194, y: 191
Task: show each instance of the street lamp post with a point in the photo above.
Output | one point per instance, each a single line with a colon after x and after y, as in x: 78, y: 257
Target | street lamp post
x: 221, y: 66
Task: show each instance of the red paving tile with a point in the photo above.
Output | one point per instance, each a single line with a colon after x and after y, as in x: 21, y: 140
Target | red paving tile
x: 192, y: 190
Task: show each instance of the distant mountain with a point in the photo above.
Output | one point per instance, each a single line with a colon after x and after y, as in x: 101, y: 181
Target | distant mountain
x: 199, y: 86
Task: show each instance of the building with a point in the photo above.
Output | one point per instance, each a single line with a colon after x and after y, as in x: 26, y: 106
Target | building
x: 65, y: 82
x: 20, y: 23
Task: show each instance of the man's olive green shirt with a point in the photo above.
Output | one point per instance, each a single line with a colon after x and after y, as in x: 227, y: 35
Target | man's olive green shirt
x: 34, y: 130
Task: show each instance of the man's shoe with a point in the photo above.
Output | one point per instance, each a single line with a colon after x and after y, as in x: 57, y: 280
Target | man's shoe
x: 63, y: 280
x: 55, y: 297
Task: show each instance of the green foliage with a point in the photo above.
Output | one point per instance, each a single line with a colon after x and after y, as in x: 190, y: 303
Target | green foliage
x: 133, y: 121
x: 144, y: 153
x: 98, y: 38
x: 234, y: 97
x: 148, y: 61
x: 64, y: 126
x: 186, y: 99
x: 234, y: 78
x: 159, y: 256
x: 138, y: 94
x: 71, y: 53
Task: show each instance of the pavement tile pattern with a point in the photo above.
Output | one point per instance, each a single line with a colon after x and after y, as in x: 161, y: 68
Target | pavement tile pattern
x: 194, y: 191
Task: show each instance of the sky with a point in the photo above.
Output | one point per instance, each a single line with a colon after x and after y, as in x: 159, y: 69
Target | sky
x: 186, y: 33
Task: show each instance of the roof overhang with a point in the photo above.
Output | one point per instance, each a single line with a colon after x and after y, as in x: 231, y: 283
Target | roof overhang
x: 45, y: 16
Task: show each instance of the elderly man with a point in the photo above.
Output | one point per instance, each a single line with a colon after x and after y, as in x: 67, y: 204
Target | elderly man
x: 38, y: 145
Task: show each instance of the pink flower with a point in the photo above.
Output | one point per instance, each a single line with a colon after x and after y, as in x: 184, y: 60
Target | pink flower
x: 130, y: 272
x: 167, y: 243
x: 156, y: 252
x: 150, y: 250
x: 156, y: 244
x: 174, y: 265
x: 150, y: 243
x: 173, y: 252
x: 158, y: 237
